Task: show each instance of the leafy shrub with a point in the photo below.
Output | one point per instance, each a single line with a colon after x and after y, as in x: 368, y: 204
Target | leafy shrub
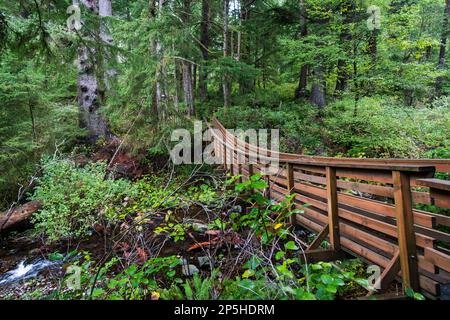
x: 382, y: 129
x: 299, y: 130
x: 75, y: 197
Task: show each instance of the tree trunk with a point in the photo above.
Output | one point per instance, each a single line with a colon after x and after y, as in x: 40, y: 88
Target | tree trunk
x: 187, y: 87
x: 318, y: 88
x: 373, y: 47
x: 204, y: 48
x: 14, y: 216
x: 444, y: 35
x: 300, y: 92
x: 246, y: 85
x: 87, y: 84
x: 155, y: 89
x: 186, y: 65
x: 348, y: 10
x: 105, y: 10
x: 226, y: 79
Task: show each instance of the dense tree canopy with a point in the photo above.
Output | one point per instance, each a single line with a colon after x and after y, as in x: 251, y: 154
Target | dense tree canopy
x: 338, y: 77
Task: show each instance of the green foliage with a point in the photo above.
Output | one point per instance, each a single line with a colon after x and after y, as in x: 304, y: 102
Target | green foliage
x: 75, y: 198
x: 37, y: 114
x: 203, y: 193
x: 199, y: 288
x: 414, y: 295
x: 138, y: 282
x: 290, y: 280
x: 151, y: 195
x: 265, y: 217
x: 381, y: 129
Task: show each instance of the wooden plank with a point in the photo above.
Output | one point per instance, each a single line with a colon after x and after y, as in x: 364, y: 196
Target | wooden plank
x: 405, y: 227
x: 390, y: 272
x: 350, y: 232
x: 319, y: 238
x: 224, y: 154
x: 366, y: 165
x: 382, y: 191
x: 440, y: 198
x: 380, y: 226
x: 420, y: 217
x: 438, y: 258
x: 290, y: 186
x: 333, y: 213
x: 435, y: 183
x: 368, y: 255
x: 313, y: 256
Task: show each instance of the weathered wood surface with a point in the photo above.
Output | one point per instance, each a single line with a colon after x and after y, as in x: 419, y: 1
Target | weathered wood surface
x: 10, y: 218
x: 371, y: 198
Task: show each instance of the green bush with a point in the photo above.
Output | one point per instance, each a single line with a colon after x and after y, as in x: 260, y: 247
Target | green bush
x: 379, y: 128
x: 74, y: 197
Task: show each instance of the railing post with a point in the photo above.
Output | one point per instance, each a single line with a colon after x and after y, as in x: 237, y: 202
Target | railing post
x: 250, y: 173
x: 290, y: 186
x: 405, y: 229
x: 225, y: 152
x: 250, y: 170
x: 333, y: 214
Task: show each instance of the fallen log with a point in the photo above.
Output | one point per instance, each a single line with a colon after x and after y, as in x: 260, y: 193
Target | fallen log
x: 18, y: 214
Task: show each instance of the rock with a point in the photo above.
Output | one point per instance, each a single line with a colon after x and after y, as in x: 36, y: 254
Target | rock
x: 205, y: 261
x: 197, y: 225
x: 34, y: 252
x: 188, y: 269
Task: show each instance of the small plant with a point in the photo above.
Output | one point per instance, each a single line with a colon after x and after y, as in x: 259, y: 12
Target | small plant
x: 267, y: 218
x: 176, y: 231
x: 196, y: 289
x: 204, y: 194
x: 75, y: 197
x: 414, y: 295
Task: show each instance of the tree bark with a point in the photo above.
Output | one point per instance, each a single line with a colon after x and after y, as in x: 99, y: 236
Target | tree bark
x: 226, y: 79
x: 348, y: 10
x: 10, y: 218
x: 88, y: 90
x: 318, y: 88
x: 187, y: 87
x: 105, y: 10
x: 156, y: 86
x: 246, y: 84
x: 186, y: 65
x: 300, y: 92
x: 204, y: 48
x: 444, y: 35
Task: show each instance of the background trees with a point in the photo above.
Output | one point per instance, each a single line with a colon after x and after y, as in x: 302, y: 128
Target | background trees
x: 146, y: 66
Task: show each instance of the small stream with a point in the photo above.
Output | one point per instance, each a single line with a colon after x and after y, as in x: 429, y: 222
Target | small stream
x: 28, y: 269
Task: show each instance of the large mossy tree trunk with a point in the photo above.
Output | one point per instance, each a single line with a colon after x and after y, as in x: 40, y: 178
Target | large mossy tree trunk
x: 89, y: 97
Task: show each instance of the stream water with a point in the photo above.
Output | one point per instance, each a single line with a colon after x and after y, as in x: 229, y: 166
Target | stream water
x: 26, y: 270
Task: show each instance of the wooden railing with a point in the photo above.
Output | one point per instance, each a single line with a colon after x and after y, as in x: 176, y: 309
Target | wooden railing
x: 366, y: 207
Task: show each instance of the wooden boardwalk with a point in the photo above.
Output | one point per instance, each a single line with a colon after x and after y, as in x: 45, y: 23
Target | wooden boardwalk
x: 366, y: 207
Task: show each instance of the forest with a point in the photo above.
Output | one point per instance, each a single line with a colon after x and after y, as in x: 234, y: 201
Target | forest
x: 93, y: 208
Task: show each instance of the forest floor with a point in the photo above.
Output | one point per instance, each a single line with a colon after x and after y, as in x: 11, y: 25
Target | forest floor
x: 208, y: 234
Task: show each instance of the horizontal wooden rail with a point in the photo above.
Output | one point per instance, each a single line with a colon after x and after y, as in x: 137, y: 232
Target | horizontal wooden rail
x: 362, y: 206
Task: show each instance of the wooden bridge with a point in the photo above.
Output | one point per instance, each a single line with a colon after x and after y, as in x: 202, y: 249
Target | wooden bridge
x: 366, y: 207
